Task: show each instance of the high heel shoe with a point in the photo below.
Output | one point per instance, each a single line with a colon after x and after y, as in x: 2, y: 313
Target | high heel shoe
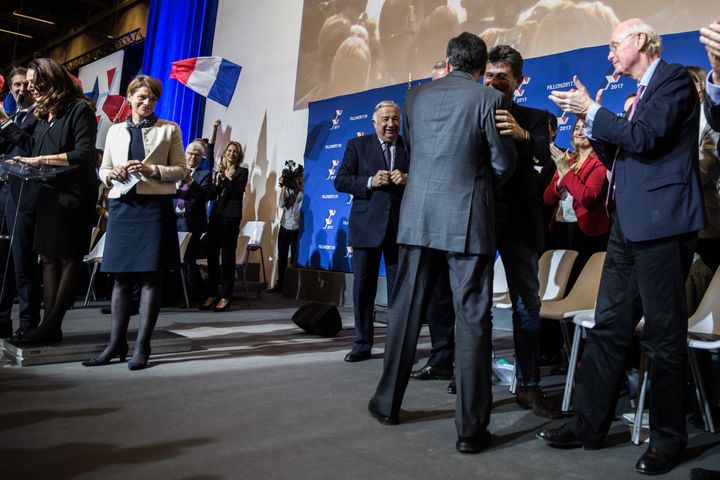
x: 39, y: 335
x: 120, y: 351
x: 139, y: 361
x: 222, y: 305
x: 208, y: 304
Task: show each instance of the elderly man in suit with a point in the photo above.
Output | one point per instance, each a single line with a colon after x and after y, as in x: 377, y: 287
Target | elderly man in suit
x: 519, y: 224
x: 652, y: 156
x: 194, y: 191
x: 374, y: 171
x: 446, y: 222
x: 20, y: 209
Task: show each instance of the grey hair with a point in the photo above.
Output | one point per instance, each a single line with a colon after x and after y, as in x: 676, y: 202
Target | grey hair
x: 385, y: 104
x: 654, y: 42
x: 195, y: 146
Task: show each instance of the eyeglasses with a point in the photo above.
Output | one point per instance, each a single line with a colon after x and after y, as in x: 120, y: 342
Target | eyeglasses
x: 615, y: 45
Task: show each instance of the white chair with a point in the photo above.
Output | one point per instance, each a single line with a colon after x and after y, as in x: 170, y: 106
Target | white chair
x: 183, y: 242
x: 501, y: 292
x: 554, y: 268
x: 704, y: 334
x: 95, y: 257
x: 584, y: 321
x: 254, y: 231
x: 241, y: 258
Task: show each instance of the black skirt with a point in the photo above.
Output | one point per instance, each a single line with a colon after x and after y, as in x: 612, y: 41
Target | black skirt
x: 141, y: 234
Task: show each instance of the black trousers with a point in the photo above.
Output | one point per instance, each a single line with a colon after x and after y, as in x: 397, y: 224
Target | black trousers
x: 441, y: 323
x: 366, y: 267
x: 287, y: 242
x: 7, y: 273
x: 222, y: 238
x: 471, y: 284
x: 639, y: 278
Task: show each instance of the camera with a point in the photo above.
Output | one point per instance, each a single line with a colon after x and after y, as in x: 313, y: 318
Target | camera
x: 290, y: 174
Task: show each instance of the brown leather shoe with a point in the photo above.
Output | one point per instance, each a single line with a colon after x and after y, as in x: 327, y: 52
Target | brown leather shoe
x: 533, y: 398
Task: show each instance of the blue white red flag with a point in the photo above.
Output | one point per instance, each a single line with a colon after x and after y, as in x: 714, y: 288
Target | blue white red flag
x: 211, y: 77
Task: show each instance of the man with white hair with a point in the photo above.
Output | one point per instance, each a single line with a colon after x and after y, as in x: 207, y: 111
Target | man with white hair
x: 654, y: 182
x: 191, y: 210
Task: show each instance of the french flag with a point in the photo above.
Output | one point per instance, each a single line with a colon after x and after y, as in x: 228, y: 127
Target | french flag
x: 211, y: 77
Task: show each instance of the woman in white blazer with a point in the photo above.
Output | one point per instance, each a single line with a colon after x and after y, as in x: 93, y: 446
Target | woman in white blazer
x: 144, y: 158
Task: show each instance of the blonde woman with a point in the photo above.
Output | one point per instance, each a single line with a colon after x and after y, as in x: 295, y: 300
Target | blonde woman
x: 230, y: 180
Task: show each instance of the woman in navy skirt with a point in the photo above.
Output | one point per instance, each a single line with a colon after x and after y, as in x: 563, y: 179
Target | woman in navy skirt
x: 230, y: 180
x: 144, y: 158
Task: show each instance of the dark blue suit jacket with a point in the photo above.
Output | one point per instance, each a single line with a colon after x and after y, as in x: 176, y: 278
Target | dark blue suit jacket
x: 372, y: 210
x: 196, y: 198
x: 657, y: 183
x: 712, y: 114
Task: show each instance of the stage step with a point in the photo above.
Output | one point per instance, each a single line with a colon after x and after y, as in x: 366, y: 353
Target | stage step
x: 81, y: 346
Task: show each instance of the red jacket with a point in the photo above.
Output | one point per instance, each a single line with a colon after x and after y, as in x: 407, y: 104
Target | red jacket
x: 588, y: 188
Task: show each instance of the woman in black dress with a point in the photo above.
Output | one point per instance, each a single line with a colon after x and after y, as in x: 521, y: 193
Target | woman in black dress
x: 230, y: 180
x: 65, y: 137
x: 144, y: 158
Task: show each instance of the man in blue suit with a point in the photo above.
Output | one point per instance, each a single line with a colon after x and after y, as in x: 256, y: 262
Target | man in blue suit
x: 191, y: 209
x: 374, y: 171
x: 652, y: 156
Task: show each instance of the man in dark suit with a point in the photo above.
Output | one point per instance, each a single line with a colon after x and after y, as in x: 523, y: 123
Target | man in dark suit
x: 519, y: 226
x: 710, y: 36
x: 652, y: 156
x: 21, y: 206
x: 191, y: 209
x: 446, y: 223
x: 374, y: 171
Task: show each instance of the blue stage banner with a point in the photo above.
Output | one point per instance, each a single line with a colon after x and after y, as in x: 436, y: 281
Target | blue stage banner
x: 332, y: 122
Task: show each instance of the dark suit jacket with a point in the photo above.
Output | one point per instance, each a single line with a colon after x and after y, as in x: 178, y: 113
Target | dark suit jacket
x: 657, y: 184
x: 521, y: 191
x: 458, y: 158
x: 372, y: 210
x: 196, y: 198
x: 230, y: 194
x: 712, y: 114
x: 16, y: 140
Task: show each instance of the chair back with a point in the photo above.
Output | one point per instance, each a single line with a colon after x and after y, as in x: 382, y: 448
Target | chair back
x: 554, y: 270
x: 254, y: 231
x: 183, y: 241
x: 93, y: 236
x: 96, y: 254
x: 584, y: 293
x: 241, y: 250
x: 706, y: 319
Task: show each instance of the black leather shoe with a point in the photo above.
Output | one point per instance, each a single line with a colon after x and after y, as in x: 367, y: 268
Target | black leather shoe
x: 38, y: 336
x: 452, y: 387
x: 355, y: 356
x: 653, y: 462
x: 563, y: 437
x: 380, y: 417
x: 474, y: 444
x: 431, y: 373
x: 533, y: 398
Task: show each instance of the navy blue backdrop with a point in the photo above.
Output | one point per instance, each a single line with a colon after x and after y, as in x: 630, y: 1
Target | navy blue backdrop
x: 331, y: 122
x: 179, y: 29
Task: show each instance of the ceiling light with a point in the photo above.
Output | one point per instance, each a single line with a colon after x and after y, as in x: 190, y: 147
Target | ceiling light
x: 33, y: 18
x: 15, y: 33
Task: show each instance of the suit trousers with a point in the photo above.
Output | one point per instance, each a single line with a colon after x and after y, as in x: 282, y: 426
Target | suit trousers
x: 366, y: 267
x: 7, y: 273
x: 441, y: 323
x: 639, y: 278
x: 222, y: 238
x: 25, y: 261
x: 471, y: 283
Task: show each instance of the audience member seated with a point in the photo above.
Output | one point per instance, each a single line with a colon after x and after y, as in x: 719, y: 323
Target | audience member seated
x: 191, y: 210
x: 577, y: 191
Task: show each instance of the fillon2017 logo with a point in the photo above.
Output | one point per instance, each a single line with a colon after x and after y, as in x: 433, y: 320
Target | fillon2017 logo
x: 520, y: 91
x: 332, y: 170
x: 336, y: 120
x: 329, y: 220
x: 563, y: 122
x: 611, y: 80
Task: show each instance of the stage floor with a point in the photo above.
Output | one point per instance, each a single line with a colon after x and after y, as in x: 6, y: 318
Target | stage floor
x: 256, y: 398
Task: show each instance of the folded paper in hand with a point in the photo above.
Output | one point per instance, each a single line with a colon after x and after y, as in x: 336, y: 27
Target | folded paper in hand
x: 126, y: 185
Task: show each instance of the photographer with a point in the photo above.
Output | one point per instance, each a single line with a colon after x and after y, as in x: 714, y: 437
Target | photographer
x: 291, y: 197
